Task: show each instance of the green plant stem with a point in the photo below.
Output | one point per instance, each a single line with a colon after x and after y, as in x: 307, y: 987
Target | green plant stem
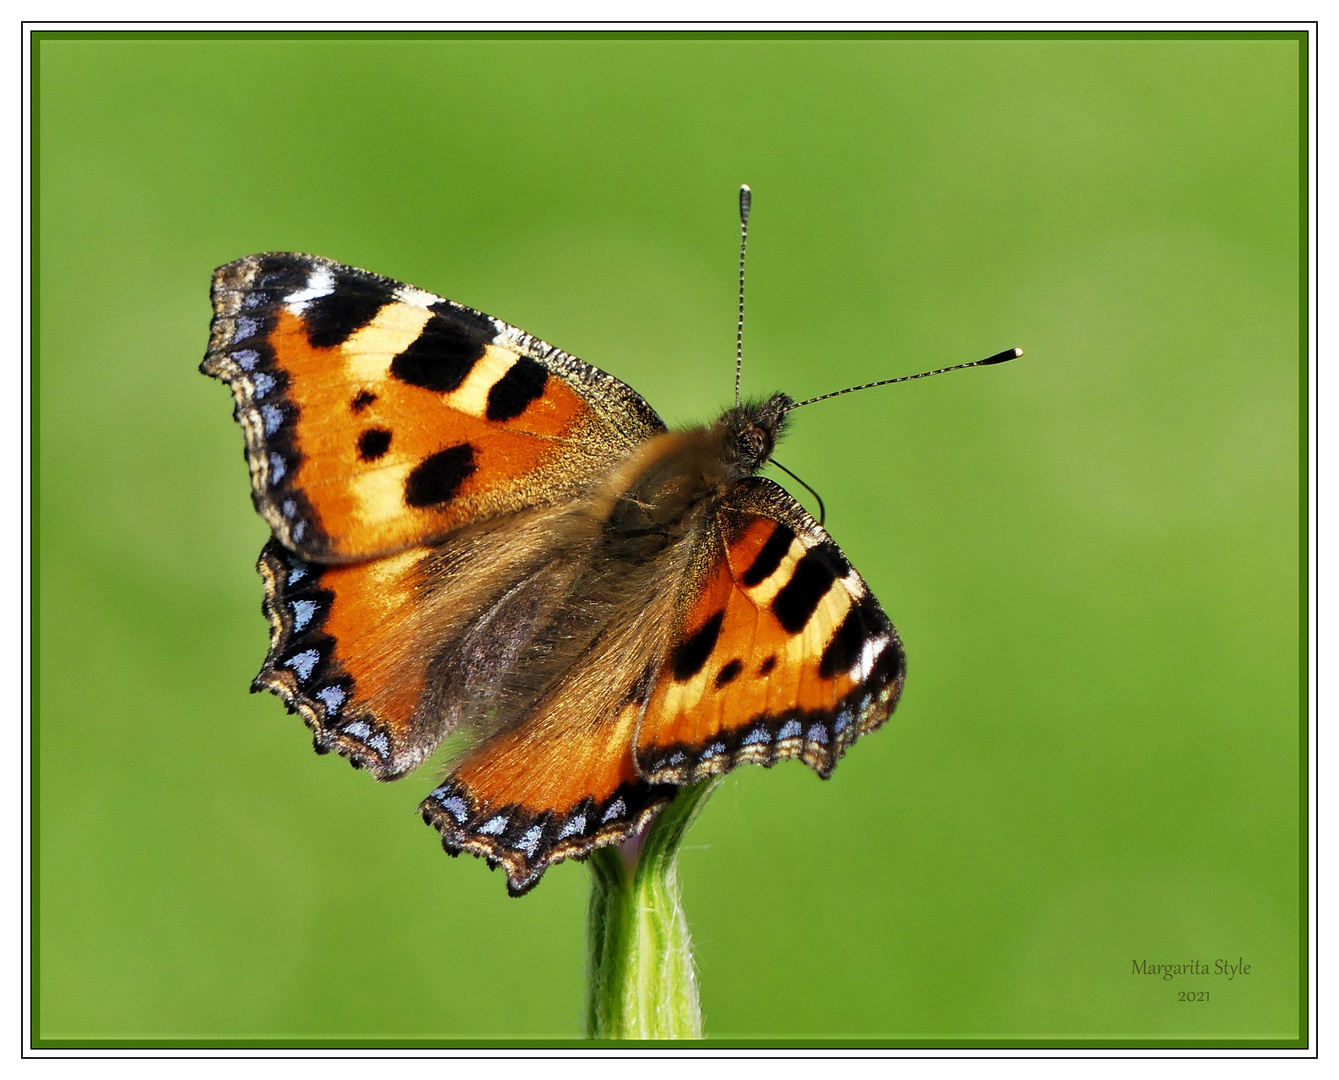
x: 642, y: 983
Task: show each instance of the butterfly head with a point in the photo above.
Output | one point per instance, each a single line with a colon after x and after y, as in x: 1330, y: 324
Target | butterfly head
x: 752, y: 431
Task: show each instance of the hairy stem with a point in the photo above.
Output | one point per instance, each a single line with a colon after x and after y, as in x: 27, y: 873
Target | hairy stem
x: 642, y: 983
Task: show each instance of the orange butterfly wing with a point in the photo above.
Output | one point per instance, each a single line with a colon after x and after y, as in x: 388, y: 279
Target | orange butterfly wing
x: 341, y: 655
x: 379, y: 419
x: 378, y: 416
x: 525, y: 805
x: 561, y: 779
x: 783, y: 651
x: 381, y: 422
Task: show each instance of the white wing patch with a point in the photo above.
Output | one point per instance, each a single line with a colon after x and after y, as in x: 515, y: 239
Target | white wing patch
x: 321, y: 282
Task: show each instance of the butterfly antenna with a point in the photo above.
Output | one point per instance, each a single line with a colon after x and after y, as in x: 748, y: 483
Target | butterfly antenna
x: 998, y: 358
x: 822, y: 510
x: 745, y: 203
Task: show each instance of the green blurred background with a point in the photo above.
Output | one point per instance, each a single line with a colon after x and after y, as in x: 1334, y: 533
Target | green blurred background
x: 1092, y: 554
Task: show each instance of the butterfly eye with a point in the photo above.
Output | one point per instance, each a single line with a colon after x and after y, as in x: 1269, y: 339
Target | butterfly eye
x: 753, y: 445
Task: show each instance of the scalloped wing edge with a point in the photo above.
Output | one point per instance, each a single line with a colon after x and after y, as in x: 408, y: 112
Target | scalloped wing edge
x: 526, y: 844
x: 818, y: 737
x: 300, y: 671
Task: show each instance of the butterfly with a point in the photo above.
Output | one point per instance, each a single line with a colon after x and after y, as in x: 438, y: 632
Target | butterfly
x: 475, y: 532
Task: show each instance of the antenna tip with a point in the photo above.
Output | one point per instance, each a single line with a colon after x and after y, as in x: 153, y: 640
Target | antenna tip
x: 1001, y: 357
x: 745, y: 202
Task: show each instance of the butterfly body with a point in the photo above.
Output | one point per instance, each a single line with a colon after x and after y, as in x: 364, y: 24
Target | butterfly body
x: 475, y: 532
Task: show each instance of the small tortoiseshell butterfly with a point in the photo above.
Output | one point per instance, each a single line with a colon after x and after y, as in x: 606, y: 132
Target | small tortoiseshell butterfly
x: 473, y: 529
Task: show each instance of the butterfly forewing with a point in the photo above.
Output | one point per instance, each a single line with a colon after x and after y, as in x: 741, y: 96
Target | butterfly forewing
x: 379, y: 416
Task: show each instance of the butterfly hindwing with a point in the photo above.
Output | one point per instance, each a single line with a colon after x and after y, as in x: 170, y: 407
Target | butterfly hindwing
x: 556, y: 775
x: 782, y: 650
x: 525, y: 807
x: 383, y: 658
x: 339, y: 659
x: 379, y: 416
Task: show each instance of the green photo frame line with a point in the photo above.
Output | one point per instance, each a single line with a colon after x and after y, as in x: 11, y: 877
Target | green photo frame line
x: 1085, y: 826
